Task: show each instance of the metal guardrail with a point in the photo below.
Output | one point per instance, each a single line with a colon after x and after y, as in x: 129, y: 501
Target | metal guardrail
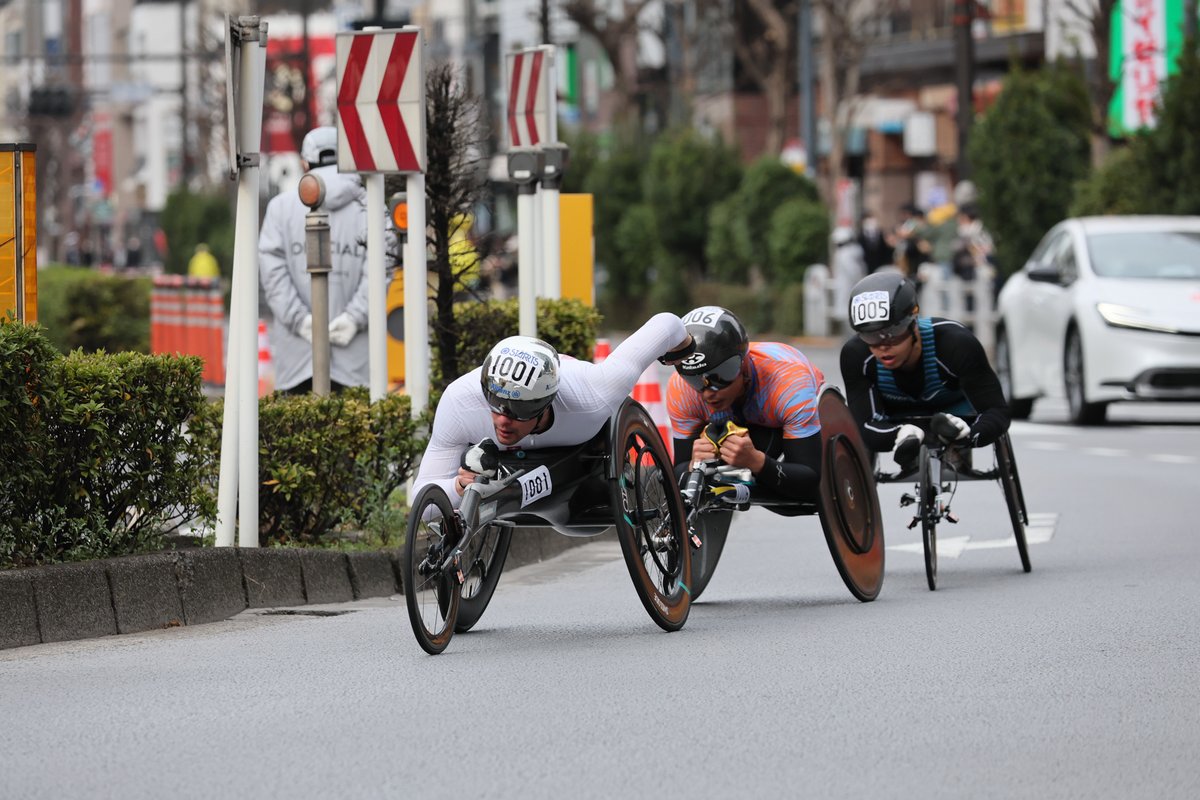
x: 941, y: 295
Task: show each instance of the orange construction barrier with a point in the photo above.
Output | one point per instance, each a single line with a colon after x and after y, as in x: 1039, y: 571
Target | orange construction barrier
x: 187, y: 317
x: 601, y: 351
x: 648, y: 392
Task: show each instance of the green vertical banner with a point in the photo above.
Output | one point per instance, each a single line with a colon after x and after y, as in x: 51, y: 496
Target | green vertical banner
x: 1147, y: 36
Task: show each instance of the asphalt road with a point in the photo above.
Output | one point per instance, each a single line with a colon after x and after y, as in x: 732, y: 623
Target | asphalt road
x: 1076, y: 680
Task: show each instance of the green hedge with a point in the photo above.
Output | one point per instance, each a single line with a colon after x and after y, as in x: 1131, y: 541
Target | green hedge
x: 570, y: 326
x: 326, y: 463
x: 96, y: 457
x: 81, y: 308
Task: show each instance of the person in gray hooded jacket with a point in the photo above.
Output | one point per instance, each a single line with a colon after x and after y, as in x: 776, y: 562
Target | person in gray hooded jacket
x: 283, y: 269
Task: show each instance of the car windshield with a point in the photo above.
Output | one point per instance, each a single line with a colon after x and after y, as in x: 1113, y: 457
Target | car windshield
x: 1146, y: 254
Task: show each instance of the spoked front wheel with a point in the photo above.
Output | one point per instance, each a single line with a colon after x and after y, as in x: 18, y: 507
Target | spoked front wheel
x: 650, y: 518
x: 928, y: 486
x: 431, y: 596
x: 1014, y: 498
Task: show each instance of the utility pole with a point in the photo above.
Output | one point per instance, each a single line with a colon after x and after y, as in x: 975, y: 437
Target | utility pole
x: 544, y: 19
x: 964, y: 58
x: 185, y: 165
x: 804, y: 63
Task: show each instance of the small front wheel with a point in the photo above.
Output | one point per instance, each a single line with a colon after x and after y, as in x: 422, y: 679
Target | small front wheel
x: 649, y: 517
x: 928, y: 487
x: 431, y: 595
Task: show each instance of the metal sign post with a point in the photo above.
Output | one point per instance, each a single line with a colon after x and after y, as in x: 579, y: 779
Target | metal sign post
x: 316, y: 250
x: 237, y: 492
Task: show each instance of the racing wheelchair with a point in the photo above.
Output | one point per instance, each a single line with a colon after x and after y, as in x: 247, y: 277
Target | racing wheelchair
x: 848, y: 505
x: 939, y: 468
x: 622, y: 477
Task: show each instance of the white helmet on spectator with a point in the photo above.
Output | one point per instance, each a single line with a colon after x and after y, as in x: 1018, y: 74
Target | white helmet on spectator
x: 320, y: 146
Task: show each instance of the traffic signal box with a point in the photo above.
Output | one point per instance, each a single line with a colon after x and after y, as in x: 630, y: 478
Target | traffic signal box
x: 398, y: 211
x: 18, y: 230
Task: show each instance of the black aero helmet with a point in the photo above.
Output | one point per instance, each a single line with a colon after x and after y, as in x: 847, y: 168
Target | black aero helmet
x: 882, y: 307
x: 721, y: 344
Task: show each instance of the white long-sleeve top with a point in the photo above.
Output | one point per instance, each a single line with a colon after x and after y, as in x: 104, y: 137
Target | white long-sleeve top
x: 588, y: 394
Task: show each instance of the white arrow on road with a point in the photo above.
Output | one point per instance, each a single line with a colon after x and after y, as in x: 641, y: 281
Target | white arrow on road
x: 1039, y: 531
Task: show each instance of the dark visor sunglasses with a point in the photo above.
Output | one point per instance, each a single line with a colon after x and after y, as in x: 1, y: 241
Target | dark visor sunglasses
x: 716, y: 379
x: 888, y: 335
x: 519, y: 410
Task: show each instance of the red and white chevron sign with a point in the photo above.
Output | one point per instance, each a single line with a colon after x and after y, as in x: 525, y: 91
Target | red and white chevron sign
x: 531, y: 97
x: 381, y: 101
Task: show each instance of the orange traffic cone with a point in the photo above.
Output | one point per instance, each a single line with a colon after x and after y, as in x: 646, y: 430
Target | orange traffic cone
x: 648, y: 392
x: 601, y: 351
x: 266, y: 370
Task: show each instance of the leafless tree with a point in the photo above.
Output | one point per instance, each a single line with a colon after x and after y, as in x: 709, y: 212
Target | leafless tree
x: 617, y: 35
x: 454, y: 182
x: 1096, y: 16
x: 845, y: 27
x: 765, y: 55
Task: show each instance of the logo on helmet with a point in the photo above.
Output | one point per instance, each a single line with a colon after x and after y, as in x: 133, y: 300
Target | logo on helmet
x: 694, y: 361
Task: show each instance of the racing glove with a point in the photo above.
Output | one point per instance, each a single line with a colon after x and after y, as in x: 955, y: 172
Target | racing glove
x: 342, y: 330
x: 908, y: 444
x: 482, y: 458
x: 717, y: 432
x: 304, y: 330
x: 949, y: 428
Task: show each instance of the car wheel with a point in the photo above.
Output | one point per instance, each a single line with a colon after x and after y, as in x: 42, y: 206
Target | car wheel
x: 1081, y: 411
x: 1018, y: 407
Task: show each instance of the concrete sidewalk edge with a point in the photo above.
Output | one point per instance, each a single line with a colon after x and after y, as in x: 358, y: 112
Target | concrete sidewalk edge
x: 63, y: 602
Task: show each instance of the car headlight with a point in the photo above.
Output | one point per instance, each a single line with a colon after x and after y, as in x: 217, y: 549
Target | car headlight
x: 1119, y: 316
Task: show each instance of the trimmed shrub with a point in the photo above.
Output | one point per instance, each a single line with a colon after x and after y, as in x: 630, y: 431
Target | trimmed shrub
x: 568, y: 325
x: 100, y: 463
x: 686, y: 175
x: 798, y: 237
x: 81, y: 308
x: 324, y: 462
x: 1109, y: 190
x: 1027, y: 153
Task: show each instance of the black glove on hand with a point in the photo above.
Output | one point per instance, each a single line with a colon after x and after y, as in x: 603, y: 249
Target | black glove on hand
x: 483, y: 458
x: 948, y: 427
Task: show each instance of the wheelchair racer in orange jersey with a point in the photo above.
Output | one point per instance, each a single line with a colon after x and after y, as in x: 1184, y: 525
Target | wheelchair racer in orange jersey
x: 767, y: 390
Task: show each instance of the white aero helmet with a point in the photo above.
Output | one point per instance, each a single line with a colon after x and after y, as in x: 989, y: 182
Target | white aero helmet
x: 320, y: 146
x: 520, y: 377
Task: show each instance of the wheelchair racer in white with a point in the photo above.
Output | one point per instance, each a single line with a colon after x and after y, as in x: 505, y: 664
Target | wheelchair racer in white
x: 525, y: 397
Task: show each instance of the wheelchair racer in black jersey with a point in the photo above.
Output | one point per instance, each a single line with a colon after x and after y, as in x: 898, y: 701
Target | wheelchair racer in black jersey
x: 900, y: 365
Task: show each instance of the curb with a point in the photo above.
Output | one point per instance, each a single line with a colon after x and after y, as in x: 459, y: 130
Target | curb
x: 129, y: 594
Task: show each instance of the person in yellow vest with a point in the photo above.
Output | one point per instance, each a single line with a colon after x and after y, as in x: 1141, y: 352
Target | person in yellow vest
x: 203, y: 263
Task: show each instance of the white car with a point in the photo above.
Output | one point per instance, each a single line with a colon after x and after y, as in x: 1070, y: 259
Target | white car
x: 1107, y: 309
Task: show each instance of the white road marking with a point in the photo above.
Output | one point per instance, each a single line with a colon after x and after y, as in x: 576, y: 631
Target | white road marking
x: 1044, y: 445
x: 1039, y: 531
x: 1106, y: 451
x: 1171, y: 458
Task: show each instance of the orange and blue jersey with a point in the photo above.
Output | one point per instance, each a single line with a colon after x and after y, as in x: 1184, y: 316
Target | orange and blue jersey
x: 782, y: 387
